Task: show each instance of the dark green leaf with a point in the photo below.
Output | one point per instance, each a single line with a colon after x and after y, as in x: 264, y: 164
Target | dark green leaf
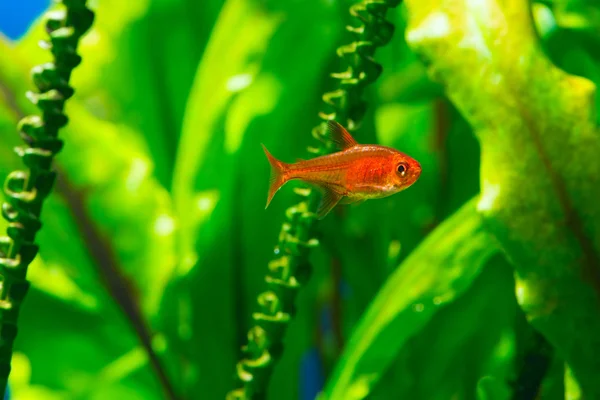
x: 442, y: 267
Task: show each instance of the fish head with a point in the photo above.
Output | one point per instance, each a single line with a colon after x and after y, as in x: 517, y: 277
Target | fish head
x: 404, y: 171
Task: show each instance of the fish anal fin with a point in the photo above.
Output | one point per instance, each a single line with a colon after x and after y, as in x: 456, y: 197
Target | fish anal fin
x: 339, y: 135
x: 329, y: 200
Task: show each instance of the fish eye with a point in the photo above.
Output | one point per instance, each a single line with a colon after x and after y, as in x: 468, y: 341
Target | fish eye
x: 402, y: 168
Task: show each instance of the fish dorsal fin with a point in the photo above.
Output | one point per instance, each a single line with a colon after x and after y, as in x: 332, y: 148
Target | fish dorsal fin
x: 328, y: 201
x: 340, y: 136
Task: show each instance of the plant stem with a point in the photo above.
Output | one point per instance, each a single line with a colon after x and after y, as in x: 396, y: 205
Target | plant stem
x: 291, y: 268
x: 26, y: 189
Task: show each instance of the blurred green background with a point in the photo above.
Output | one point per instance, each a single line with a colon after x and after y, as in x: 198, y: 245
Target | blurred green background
x: 162, y: 188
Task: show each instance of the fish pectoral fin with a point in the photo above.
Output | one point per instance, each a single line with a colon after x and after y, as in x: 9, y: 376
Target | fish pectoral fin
x: 328, y: 201
x: 339, y: 135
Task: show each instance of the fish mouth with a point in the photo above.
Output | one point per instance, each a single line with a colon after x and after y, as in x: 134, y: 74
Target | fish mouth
x: 416, y: 170
x: 415, y: 173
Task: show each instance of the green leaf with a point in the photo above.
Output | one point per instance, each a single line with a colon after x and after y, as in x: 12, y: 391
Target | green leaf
x: 285, y: 130
x: 404, y: 78
x: 452, y: 351
x: 243, y: 29
x: 368, y: 231
x: 114, y: 184
x: 59, y: 232
x: 106, y: 220
x: 490, y: 388
x: 221, y: 106
x: 540, y: 171
x: 572, y: 388
x: 130, y: 76
x: 438, y: 271
x: 124, y: 199
x: 77, y: 353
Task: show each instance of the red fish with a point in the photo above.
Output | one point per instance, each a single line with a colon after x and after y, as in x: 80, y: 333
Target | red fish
x: 356, y: 173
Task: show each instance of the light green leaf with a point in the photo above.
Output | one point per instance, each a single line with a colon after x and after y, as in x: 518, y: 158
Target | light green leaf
x: 286, y: 132
x: 572, y: 388
x: 59, y: 232
x: 244, y: 30
x: 68, y: 349
x: 106, y: 201
x: 540, y: 169
x: 218, y: 112
x: 137, y: 72
x: 113, y: 183
x: 124, y: 199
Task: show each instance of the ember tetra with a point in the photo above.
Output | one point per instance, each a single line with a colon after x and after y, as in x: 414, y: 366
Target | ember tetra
x: 356, y: 173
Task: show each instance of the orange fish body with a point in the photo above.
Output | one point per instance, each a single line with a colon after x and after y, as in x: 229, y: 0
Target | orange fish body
x: 354, y: 174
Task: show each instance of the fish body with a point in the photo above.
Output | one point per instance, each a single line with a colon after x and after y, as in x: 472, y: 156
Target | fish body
x: 356, y: 173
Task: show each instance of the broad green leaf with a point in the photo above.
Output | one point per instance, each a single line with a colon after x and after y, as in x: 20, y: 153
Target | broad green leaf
x: 219, y: 110
x: 572, y: 388
x: 471, y: 337
x: 150, y: 74
x: 70, y: 278
x: 114, y: 184
x: 124, y: 209
x: 540, y: 172
x: 434, y: 274
x: 553, y: 387
x: 20, y: 381
x: 59, y: 231
x: 98, y: 47
x: 285, y: 131
x: 244, y: 30
x: 490, y: 388
x: 124, y: 199
x: 72, y: 352
x: 572, y: 50
x: 129, y: 77
x: 404, y: 78
x: 360, y: 239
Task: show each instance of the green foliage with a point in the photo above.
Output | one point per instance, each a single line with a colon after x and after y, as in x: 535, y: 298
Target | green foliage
x: 289, y: 270
x: 155, y: 242
x: 436, y: 273
x: 540, y: 123
x: 26, y: 190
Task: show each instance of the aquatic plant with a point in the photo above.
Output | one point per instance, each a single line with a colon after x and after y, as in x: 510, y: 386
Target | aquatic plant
x: 477, y: 282
x: 290, y: 269
x: 26, y: 190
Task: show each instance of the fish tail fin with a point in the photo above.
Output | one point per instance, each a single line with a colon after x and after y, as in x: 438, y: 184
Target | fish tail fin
x: 277, y: 178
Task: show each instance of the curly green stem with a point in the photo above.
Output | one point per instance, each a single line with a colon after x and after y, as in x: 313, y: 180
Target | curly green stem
x: 26, y: 190
x: 290, y: 269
